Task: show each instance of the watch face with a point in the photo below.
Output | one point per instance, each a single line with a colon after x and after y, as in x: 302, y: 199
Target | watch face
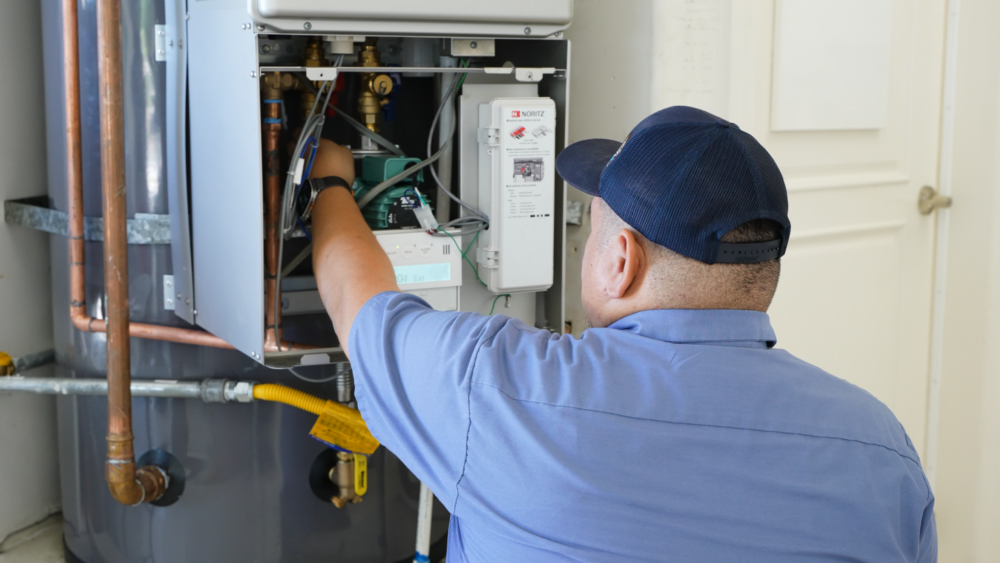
x: 304, y: 199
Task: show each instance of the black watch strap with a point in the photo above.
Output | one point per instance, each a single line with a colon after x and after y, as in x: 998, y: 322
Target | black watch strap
x: 307, y: 198
x: 320, y: 184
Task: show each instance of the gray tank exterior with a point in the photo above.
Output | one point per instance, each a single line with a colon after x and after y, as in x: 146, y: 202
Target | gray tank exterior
x: 247, y: 495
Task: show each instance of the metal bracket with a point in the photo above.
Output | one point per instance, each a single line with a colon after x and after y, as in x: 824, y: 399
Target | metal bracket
x: 34, y: 213
x: 315, y: 73
x: 168, y: 292
x: 160, y: 43
x: 488, y: 258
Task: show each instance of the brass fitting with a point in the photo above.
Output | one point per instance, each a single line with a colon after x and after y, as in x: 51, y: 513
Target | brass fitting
x: 374, y: 87
x: 342, y: 475
x: 275, y: 83
x: 314, y: 56
x: 128, y: 485
x: 7, y: 366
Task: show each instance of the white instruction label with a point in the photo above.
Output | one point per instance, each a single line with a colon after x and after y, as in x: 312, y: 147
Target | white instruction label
x: 528, y: 141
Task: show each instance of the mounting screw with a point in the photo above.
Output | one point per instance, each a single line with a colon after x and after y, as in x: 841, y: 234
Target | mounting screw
x: 253, y: 74
x: 179, y: 296
x: 260, y: 28
x: 162, y: 52
x: 473, y: 45
x: 188, y: 300
x: 307, y: 26
x: 161, y: 33
x: 195, y: 312
x: 265, y: 48
x: 527, y: 31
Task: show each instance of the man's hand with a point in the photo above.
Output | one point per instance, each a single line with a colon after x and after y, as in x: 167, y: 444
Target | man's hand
x: 350, y: 266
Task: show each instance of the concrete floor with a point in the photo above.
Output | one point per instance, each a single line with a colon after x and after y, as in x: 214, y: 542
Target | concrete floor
x: 41, y: 543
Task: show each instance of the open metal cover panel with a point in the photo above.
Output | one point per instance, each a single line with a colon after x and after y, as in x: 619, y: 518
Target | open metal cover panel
x: 227, y: 202
x: 225, y: 66
x: 485, y: 18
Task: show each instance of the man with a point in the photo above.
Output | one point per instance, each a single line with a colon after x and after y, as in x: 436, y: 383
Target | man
x: 672, y: 429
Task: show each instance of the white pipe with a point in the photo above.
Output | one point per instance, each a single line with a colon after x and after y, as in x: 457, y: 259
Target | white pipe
x: 941, y: 256
x: 425, y: 515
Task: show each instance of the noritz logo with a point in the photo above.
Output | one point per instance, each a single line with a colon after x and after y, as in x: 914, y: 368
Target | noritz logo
x: 534, y: 113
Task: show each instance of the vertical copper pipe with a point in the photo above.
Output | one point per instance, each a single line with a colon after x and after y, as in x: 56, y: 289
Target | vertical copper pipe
x: 74, y: 167
x: 74, y: 178
x: 127, y: 485
x: 271, y: 126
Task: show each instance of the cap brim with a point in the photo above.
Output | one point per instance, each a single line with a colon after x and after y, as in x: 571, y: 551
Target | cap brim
x: 582, y: 163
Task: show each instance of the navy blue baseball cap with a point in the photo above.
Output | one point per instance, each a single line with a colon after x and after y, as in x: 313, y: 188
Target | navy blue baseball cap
x: 684, y: 178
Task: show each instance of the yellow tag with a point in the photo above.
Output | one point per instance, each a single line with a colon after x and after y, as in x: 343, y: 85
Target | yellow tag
x: 343, y: 427
x: 360, y: 474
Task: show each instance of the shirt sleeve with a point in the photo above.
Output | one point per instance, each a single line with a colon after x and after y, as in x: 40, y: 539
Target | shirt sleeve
x: 412, y: 374
x: 928, y: 536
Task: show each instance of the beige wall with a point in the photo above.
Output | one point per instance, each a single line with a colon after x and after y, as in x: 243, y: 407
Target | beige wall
x: 29, y: 488
x: 968, y: 461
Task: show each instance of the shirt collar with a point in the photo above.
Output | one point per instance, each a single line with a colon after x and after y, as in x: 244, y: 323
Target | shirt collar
x: 730, y: 327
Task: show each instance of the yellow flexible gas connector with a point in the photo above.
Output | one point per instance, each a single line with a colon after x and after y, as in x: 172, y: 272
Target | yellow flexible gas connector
x: 338, y: 425
x: 289, y: 396
x: 6, y: 364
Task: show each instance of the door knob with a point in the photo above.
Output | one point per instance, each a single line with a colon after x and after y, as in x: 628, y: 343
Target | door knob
x: 929, y: 200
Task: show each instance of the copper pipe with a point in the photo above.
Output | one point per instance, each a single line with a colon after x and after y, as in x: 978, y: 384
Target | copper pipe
x: 271, y: 126
x: 77, y: 276
x: 127, y: 484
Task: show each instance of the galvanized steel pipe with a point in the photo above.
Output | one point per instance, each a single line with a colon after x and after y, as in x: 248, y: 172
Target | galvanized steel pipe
x: 208, y: 390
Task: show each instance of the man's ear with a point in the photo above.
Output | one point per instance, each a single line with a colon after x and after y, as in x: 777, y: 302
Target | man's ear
x: 629, y: 260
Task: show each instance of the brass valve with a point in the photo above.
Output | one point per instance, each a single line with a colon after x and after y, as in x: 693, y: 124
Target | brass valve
x: 314, y: 56
x: 374, y: 87
x: 351, y: 477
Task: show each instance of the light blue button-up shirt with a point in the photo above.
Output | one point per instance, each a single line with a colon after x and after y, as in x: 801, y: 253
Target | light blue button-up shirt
x: 672, y: 435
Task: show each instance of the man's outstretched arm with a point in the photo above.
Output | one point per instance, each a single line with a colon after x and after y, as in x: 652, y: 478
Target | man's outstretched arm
x: 350, y: 266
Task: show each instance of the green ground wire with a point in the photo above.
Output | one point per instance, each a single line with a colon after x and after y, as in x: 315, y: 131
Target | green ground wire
x: 466, y: 258
x: 495, y: 299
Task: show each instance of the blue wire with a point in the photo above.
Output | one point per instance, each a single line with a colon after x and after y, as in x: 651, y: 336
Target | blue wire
x: 312, y: 156
x: 303, y: 227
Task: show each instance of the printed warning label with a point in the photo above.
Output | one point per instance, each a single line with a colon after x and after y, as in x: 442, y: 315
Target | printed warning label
x: 528, y: 158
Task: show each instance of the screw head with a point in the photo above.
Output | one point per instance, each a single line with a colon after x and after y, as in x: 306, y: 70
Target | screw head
x: 527, y: 31
x: 473, y: 45
x: 307, y: 26
x: 265, y: 48
x: 178, y: 295
x: 253, y: 74
x: 260, y: 28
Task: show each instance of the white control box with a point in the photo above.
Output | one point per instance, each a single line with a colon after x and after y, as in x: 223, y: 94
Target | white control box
x: 422, y: 261
x: 517, y: 142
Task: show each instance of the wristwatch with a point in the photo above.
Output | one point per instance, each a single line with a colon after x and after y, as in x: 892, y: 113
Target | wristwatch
x: 310, y: 191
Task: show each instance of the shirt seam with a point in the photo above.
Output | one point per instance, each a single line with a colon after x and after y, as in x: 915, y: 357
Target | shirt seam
x: 915, y: 462
x: 468, y: 430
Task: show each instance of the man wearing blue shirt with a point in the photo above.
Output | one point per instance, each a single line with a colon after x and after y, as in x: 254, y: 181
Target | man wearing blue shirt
x: 672, y: 430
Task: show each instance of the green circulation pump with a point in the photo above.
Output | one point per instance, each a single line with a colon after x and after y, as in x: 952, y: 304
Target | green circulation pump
x: 393, y: 208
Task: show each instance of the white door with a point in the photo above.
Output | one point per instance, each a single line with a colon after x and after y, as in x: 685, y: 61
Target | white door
x: 845, y: 94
